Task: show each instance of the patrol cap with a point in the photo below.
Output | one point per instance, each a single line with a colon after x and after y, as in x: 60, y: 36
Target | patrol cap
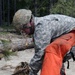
x: 22, y: 16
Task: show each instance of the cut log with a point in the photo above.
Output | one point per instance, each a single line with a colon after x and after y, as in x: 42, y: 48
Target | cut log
x: 17, y: 44
x: 21, y: 44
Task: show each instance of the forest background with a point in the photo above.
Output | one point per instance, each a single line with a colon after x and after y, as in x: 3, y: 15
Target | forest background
x: 38, y: 7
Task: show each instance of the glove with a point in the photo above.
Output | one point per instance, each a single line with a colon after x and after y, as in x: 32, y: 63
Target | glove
x: 22, y: 69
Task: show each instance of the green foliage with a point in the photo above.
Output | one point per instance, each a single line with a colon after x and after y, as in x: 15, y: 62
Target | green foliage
x: 3, y: 33
x: 7, y: 50
x: 8, y: 53
x: 38, y: 7
x: 7, y: 27
x: 66, y: 7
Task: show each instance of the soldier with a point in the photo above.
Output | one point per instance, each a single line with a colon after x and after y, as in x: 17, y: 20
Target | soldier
x: 53, y: 35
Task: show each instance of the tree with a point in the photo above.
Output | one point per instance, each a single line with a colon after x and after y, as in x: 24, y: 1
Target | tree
x: 0, y: 12
x: 66, y: 7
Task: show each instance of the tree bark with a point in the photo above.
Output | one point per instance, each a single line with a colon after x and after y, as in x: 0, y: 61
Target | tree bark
x: 16, y: 44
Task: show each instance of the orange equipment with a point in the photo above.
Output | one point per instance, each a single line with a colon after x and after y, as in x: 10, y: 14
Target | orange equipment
x: 55, y: 53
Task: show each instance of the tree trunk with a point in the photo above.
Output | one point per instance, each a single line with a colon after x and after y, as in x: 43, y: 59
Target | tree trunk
x: 0, y: 12
x: 16, y: 44
x: 35, y: 7
x: 8, y: 12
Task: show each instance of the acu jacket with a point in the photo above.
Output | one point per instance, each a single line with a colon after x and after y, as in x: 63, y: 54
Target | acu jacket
x: 48, y: 28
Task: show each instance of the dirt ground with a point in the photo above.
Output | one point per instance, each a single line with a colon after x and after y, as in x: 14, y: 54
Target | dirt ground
x: 7, y: 66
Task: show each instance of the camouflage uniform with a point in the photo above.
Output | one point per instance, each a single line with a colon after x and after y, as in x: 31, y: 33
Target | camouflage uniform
x: 48, y: 28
